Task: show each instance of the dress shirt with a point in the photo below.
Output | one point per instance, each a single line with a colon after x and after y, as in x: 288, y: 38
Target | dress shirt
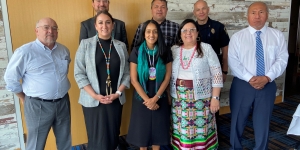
x: 43, y: 71
x: 242, y: 53
x: 169, y: 30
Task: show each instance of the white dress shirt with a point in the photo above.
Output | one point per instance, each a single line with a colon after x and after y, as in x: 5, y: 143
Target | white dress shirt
x: 242, y: 53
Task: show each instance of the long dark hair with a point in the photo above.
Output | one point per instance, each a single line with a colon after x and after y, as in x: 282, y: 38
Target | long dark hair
x: 162, y: 50
x: 179, y: 41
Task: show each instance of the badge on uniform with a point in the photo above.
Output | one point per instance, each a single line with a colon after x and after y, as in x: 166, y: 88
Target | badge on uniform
x: 212, y: 30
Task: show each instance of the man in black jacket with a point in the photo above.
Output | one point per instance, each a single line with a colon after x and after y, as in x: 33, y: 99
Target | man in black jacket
x: 88, y: 30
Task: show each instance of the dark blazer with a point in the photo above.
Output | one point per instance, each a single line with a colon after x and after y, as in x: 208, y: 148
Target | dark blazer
x: 87, y: 30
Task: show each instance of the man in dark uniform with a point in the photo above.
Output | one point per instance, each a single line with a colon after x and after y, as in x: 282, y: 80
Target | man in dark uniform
x: 214, y: 33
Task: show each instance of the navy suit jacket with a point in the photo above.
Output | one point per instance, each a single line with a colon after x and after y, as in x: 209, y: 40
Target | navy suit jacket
x: 87, y: 30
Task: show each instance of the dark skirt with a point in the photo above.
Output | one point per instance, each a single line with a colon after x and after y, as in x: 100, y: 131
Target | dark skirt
x: 149, y: 127
x: 103, y: 125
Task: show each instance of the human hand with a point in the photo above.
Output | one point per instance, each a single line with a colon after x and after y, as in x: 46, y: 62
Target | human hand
x: 258, y: 82
x: 112, y: 97
x: 150, y: 103
x: 214, y: 105
x: 103, y: 99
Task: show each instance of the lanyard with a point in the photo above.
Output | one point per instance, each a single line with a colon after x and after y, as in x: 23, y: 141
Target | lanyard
x: 151, y: 63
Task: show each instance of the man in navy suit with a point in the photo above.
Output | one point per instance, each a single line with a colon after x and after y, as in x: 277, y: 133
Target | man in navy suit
x: 257, y: 55
x: 88, y: 30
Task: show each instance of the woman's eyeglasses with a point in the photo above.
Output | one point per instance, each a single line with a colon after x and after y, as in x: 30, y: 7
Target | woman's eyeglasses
x: 191, y: 30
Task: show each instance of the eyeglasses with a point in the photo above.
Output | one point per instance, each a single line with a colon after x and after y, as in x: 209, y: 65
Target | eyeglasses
x: 104, y: 1
x: 191, y: 30
x: 46, y: 28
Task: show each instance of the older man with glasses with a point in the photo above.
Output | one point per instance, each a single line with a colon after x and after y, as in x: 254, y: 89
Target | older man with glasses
x: 43, y: 66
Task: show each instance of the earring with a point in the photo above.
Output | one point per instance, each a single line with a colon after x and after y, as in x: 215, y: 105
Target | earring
x: 198, y: 38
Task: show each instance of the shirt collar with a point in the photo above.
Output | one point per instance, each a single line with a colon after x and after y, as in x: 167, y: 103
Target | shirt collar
x: 162, y: 23
x: 39, y: 43
x: 252, y: 30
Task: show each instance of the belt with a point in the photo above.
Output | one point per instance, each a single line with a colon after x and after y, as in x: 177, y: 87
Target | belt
x: 185, y: 83
x: 47, y: 100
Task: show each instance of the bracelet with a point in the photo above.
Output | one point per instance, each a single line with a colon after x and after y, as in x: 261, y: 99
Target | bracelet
x: 119, y: 92
x: 158, y: 96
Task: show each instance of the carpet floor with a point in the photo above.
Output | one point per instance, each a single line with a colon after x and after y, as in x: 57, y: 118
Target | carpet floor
x: 278, y: 140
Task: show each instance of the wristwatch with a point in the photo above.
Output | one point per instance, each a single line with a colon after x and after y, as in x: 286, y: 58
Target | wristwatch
x: 119, y: 92
x: 216, y: 97
x: 225, y: 72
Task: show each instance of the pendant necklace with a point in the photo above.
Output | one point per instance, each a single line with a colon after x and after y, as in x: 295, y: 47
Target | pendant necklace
x: 107, y: 60
x: 152, y: 70
x: 189, y: 62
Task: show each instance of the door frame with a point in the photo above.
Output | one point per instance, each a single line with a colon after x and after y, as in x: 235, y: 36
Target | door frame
x: 10, y: 52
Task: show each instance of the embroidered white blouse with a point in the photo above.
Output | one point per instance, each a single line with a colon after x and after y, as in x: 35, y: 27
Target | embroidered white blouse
x: 206, y: 70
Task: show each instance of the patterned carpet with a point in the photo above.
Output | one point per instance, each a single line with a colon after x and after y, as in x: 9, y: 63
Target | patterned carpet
x: 280, y: 121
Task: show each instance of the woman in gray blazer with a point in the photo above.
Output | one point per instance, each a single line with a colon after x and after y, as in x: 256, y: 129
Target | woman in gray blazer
x: 102, y: 74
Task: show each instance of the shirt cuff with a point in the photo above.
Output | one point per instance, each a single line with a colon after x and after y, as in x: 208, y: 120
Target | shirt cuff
x: 271, y: 76
x: 247, y: 77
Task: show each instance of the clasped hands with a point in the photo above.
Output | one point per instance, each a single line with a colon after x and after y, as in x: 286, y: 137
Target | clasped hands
x: 106, y: 99
x: 151, y: 103
x: 258, y: 82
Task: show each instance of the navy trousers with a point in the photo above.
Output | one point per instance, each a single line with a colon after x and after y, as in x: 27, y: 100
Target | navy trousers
x: 244, y: 99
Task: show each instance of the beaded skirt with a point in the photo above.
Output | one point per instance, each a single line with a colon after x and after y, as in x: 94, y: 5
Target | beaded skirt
x: 193, y: 125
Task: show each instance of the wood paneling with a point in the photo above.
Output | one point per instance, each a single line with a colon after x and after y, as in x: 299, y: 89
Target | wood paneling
x: 68, y: 14
x: 132, y: 12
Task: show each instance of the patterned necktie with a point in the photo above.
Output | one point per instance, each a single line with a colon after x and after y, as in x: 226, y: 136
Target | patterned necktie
x: 260, y: 63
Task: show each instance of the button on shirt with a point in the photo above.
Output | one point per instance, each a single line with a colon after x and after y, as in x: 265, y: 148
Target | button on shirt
x: 242, y: 53
x: 43, y: 71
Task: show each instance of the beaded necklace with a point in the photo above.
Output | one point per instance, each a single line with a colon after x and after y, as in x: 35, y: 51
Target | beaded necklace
x: 107, y: 60
x: 189, y: 62
x: 152, y: 70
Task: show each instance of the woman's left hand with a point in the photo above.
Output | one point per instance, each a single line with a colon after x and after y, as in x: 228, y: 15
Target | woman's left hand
x: 150, y: 103
x: 214, y: 105
x: 112, y: 97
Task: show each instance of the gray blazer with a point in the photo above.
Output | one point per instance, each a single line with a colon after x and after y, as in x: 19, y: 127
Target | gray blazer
x: 85, y: 70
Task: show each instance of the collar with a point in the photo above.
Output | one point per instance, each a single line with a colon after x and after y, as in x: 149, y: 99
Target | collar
x: 39, y: 43
x: 252, y: 30
x: 162, y: 23
x: 207, y: 24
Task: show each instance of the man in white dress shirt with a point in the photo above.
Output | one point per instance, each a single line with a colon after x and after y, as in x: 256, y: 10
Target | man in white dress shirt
x: 257, y: 55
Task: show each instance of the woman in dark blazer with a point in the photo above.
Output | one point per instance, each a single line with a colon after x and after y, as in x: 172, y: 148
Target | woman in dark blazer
x: 102, y: 74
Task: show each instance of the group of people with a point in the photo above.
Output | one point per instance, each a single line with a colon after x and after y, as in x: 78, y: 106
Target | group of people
x: 177, y: 72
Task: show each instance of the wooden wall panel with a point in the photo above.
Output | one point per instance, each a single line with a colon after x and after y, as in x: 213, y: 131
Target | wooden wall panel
x: 68, y: 14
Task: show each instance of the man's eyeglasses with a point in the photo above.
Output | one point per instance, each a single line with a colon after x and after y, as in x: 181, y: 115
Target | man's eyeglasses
x: 46, y: 28
x: 191, y: 30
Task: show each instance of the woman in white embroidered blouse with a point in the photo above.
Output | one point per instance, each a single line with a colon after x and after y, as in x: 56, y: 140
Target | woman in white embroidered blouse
x: 195, y: 88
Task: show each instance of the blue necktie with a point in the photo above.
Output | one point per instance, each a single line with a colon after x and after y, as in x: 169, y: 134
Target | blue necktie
x: 260, y: 63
